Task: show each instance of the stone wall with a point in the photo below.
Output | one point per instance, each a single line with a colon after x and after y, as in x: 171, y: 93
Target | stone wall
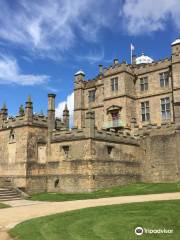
x: 161, y: 157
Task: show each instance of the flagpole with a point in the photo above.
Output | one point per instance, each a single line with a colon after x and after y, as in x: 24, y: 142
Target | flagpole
x: 132, y: 49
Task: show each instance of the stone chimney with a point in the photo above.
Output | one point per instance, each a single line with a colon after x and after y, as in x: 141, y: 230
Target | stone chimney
x: 51, y: 111
x: 116, y: 61
x: 66, y: 116
x: 100, y: 69
x: 29, y: 109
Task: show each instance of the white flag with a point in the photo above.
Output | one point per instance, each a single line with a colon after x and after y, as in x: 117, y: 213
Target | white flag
x: 132, y: 47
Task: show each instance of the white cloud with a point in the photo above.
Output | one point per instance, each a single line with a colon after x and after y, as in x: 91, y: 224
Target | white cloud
x: 146, y: 16
x: 10, y: 73
x: 50, y: 27
x: 92, y: 57
x: 70, y: 103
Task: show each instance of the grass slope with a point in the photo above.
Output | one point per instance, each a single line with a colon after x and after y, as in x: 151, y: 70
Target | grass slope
x: 2, y: 205
x: 134, y: 189
x: 116, y: 222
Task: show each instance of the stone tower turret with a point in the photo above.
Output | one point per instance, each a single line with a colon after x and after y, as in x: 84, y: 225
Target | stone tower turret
x: 29, y: 109
x: 79, y: 114
x: 66, y: 116
x: 51, y: 111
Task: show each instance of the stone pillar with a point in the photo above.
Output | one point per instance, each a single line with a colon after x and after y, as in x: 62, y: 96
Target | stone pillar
x: 66, y: 116
x: 90, y: 123
x: 177, y: 113
x: 51, y: 112
x: 29, y: 109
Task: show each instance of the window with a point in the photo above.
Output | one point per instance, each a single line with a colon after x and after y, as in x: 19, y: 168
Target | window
x: 109, y: 150
x: 66, y: 150
x: 144, y: 84
x: 165, y: 108
x: 92, y: 94
x: 145, y: 111
x: 164, y: 79
x: 114, y: 84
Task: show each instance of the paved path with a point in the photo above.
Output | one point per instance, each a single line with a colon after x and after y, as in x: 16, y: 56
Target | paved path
x: 24, y: 209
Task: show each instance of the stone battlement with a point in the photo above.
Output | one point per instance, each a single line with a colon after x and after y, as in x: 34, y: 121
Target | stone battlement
x: 79, y: 134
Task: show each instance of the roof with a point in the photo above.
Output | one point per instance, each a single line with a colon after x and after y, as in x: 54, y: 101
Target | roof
x: 80, y: 72
x: 177, y: 41
x: 143, y: 59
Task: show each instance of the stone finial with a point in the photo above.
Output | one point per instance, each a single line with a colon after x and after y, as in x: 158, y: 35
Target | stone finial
x: 66, y: 116
x: 21, y: 110
x: 29, y: 99
x: 4, y: 107
x: 4, y: 112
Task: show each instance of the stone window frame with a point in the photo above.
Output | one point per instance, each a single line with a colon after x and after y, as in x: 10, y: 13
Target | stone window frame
x: 164, y: 79
x: 110, y: 150
x: 92, y: 95
x: 12, y: 136
x: 165, y: 108
x: 66, y: 149
x: 114, y: 84
x: 144, y: 85
x: 145, y: 111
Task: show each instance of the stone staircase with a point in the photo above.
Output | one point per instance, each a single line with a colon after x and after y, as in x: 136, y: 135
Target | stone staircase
x: 9, y: 194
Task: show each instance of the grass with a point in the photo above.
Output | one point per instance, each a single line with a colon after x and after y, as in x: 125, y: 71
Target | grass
x: 116, y: 222
x: 134, y: 189
x: 2, y: 205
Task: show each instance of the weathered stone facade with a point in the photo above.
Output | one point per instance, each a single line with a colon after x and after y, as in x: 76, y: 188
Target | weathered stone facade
x: 127, y: 129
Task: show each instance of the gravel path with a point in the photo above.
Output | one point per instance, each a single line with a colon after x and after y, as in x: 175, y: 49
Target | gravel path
x: 24, y: 209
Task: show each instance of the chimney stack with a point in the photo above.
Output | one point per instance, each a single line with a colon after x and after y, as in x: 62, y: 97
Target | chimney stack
x: 100, y: 69
x: 116, y: 61
x: 51, y: 112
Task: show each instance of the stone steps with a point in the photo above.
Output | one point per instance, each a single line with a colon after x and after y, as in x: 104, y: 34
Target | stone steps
x: 8, y: 194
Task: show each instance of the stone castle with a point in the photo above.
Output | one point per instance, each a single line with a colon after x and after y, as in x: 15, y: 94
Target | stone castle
x: 126, y: 130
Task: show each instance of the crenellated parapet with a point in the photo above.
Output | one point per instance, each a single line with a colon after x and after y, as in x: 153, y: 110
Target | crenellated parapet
x: 26, y: 117
x: 152, y: 67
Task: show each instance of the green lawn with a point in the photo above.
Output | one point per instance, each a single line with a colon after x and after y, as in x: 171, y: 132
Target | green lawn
x: 134, y: 189
x: 116, y: 222
x: 2, y: 205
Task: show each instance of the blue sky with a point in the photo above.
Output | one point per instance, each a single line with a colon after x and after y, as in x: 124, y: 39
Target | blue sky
x: 44, y: 42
